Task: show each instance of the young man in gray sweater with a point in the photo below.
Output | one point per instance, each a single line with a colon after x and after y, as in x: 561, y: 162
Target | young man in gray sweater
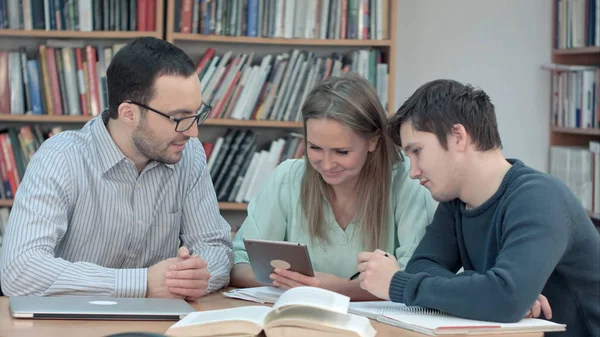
x: 525, y: 242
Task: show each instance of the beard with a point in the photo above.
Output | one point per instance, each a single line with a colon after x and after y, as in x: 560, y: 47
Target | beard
x: 147, y: 144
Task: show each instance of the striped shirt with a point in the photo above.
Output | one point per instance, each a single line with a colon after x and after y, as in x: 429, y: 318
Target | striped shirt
x: 86, y: 223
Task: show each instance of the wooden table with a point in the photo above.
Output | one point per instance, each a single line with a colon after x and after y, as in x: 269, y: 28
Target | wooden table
x: 11, y: 327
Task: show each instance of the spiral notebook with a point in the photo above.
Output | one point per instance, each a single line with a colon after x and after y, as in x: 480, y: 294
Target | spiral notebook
x: 434, y: 323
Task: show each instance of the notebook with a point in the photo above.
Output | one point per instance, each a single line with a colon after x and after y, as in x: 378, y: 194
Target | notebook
x: 103, y: 308
x: 434, y: 323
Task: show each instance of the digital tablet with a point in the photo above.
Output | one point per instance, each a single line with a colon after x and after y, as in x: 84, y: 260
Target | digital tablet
x: 266, y: 255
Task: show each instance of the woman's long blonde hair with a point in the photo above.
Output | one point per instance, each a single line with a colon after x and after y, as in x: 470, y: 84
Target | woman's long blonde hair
x: 352, y: 101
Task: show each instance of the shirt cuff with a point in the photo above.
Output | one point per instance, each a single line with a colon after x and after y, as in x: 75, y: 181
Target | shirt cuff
x: 397, y: 286
x: 131, y: 282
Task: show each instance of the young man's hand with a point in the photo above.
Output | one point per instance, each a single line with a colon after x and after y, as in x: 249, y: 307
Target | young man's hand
x: 376, y: 272
x: 541, y: 305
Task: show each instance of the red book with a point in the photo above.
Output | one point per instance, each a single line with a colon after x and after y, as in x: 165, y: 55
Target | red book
x: 208, y: 149
x: 186, y: 16
x: 4, y: 87
x: 54, y: 84
x: 93, y: 74
x: 205, y: 60
x: 142, y: 15
x: 11, y: 165
x: 151, y: 16
x: 80, y: 82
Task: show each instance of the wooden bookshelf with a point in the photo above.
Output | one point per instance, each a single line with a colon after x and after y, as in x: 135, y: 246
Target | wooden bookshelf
x: 224, y: 206
x: 211, y: 122
x: 576, y: 131
x: 71, y: 34
x: 233, y: 206
x: 105, y: 35
x: 566, y: 136
x: 277, y: 41
x: 577, y: 51
x: 6, y: 118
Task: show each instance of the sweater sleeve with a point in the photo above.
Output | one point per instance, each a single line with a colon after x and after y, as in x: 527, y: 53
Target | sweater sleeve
x: 437, y: 254
x: 534, y: 237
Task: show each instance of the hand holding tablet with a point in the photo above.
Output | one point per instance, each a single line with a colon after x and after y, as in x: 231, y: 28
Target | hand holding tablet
x: 266, y: 255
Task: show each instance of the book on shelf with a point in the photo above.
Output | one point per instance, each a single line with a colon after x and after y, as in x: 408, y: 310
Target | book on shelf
x: 301, y: 311
x: 63, y: 78
x: 579, y: 168
x: 273, y: 87
x: 17, y: 146
x: 301, y: 19
x: 575, y: 102
x: 238, y: 166
x: 80, y: 15
x: 69, y: 78
x: 434, y: 323
x: 577, y: 23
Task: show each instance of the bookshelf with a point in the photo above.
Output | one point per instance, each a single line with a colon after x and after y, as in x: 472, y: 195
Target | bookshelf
x: 196, y: 43
x: 67, y: 34
x: 388, y: 45
x: 30, y: 39
x: 587, y: 55
x: 208, y: 122
x: 165, y: 24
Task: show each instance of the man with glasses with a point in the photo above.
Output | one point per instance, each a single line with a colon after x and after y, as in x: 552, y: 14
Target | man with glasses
x: 124, y: 207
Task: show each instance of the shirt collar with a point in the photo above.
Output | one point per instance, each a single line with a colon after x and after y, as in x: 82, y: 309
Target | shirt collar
x: 109, y: 153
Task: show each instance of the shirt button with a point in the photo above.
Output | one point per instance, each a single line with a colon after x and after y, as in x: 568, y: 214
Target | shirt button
x: 139, y: 222
x: 137, y: 185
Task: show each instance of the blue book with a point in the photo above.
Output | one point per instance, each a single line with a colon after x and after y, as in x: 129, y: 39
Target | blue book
x: 2, y: 14
x: 35, y: 92
x: 206, y: 6
x: 252, y: 19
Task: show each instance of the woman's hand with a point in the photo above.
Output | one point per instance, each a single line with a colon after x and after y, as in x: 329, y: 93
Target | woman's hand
x: 286, y: 279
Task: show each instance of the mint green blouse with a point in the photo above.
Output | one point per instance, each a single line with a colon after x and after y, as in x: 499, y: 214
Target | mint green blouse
x: 275, y: 214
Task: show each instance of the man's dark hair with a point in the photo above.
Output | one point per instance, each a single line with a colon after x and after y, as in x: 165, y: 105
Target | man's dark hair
x: 135, y: 67
x: 438, y: 105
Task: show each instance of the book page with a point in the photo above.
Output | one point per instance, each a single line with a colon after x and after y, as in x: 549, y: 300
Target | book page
x: 254, y: 314
x: 313, y: 297
x: 310, y: 320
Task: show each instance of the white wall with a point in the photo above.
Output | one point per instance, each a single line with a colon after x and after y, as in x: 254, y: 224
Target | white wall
x: 498, y: 46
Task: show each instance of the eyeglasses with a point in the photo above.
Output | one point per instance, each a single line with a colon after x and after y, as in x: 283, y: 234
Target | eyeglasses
x: 184, y: 123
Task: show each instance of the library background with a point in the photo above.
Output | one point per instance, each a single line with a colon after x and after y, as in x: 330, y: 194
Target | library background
x: 257, y: 60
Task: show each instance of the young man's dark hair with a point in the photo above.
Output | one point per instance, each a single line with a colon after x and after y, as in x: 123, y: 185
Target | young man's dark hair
x: 135, y: 67
x: 438, y: 105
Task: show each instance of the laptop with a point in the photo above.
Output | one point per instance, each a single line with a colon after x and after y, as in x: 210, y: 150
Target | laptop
x: 101, y: 308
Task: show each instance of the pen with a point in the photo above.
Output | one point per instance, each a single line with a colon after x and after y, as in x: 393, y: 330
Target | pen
x: 353, y: 277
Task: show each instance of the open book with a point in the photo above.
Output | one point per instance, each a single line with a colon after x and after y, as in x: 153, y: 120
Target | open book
x: 433, y: 322
x: 301, y: 311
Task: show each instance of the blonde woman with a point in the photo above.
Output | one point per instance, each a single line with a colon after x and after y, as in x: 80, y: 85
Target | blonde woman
x: 351, y: 193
